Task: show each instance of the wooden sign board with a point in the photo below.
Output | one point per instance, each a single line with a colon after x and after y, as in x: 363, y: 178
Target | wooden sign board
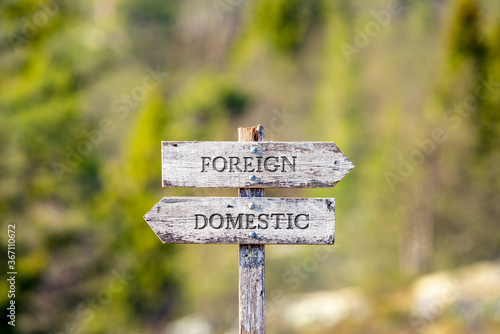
x: 253, y: 164
x: 243, y: 220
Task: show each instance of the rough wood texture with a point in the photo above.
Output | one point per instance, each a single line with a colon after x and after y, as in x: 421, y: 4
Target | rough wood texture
x: 252, y: 289
x: 252, y: 308
x: 272, y: 164
x: 250, y: 220
x: 230, y: 220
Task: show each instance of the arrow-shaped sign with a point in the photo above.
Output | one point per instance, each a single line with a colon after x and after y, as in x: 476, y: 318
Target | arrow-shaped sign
x: 243, y: 220
x: 253, y: 164
x: 250, y: 220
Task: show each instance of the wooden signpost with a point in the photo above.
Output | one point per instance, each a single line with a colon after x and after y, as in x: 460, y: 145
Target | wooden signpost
x: 249, y: 220
x: 233, y: 220
x: 242, y: 165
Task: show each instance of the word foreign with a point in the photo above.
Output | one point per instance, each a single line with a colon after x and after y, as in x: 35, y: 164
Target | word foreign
x: 249, y: 164
x: 11, y: 255
x: 247, y: 221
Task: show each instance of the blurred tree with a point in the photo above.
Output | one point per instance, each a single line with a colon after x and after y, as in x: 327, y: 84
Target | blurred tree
x: 287, y: 24
x: 467, y: 102
x: 50, y: 162
x: 150, y: 25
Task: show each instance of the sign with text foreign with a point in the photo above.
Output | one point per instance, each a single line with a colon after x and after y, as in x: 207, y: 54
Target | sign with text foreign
x: 250, y: 220
x: 243, y: 220
x: 253, y: 164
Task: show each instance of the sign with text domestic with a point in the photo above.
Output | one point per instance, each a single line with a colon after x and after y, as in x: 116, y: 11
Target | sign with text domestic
x: 253, y: 164
x: 243, y: 220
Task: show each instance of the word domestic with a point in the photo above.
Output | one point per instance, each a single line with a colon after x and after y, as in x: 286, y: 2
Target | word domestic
x: 248, y: 164
x: 252, y: 221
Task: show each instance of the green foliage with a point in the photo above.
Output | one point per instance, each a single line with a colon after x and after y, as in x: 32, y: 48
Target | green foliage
x: 286, y: 24
x: 466, y: 37
x: 150, y: 25
x: 204, y: 107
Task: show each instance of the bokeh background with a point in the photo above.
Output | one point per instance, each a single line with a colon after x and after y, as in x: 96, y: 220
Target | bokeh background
x: 409, y: 90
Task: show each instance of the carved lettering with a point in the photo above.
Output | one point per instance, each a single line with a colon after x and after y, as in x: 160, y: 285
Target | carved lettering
x: 234, y: 223
x: 290, y: 164
x: 263, y: 224
x: 224, y: 164
x: 277, y: 215
x: 249, y: 225
x: 251, y: 221
x: 267, y: 167
x: 212, y: 221
x: 249, y: 164
x: 259, y: 165
x: 205, y: 162
x: 290, y: 218
x: 297, y: 221
x: 205, y: 221
x: 234, y: 162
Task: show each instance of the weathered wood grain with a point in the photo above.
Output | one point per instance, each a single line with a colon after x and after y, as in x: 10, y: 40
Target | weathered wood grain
x: 251, y: 262
x: 251, y: 220
x: 253, y: 164
x: 252, y: 289
x: 230, y: 220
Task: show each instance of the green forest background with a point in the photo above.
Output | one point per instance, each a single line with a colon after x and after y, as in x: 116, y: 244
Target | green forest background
x: 409, y: 90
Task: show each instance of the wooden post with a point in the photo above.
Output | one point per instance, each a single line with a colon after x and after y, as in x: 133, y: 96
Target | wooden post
x: 252, y: 262
x: 205, y: 164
